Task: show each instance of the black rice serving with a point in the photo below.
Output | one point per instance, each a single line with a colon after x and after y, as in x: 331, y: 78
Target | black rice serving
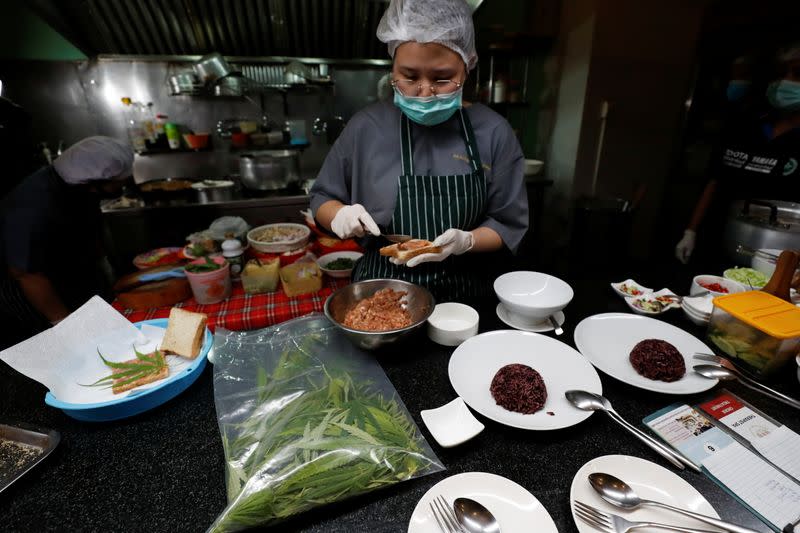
x: 658, y: 360
x: 519, y: 388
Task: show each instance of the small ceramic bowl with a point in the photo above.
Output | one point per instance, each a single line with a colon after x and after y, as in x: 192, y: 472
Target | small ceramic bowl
x: 451, y: 424
x: 635, y: 303
x: 730, y: 286
x: 452, y: 323
x: 629, y: 288
x: 326, y: 259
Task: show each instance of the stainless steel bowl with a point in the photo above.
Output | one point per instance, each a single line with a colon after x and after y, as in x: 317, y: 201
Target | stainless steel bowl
x: 419, y: 302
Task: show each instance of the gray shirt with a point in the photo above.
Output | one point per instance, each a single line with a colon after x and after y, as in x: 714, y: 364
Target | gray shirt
x: 364, y: 163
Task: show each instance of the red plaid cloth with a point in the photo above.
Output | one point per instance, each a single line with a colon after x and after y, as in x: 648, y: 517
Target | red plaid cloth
x: 246, y: 311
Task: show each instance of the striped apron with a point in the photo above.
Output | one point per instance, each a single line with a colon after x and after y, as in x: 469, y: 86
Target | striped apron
x: 426, y: 207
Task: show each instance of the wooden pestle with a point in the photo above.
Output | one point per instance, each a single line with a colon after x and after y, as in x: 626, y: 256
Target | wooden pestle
x: 781, y: 279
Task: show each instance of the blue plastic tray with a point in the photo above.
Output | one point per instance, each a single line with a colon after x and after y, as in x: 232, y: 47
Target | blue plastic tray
x: 133, y: 404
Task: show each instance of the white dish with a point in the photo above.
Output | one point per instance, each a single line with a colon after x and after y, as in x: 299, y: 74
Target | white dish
x: 533, y: 167
x: 513, y: 506
x: 452, y: 323
x: 696, y: 319
x: 732, y: 286
x: 700, y: 305
x: 324, y: 260
x: 521, y: 323
x: 631, y: 301
x: 630, y: 283
x: 452, y: 423
x: 650, y: 481
x: 274, y: 247
x: 532, y: 294
x: 474, y: 364
x: 607, y: 340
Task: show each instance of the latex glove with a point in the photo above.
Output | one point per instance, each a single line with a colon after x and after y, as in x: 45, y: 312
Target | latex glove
x: 353, y: 221
x: 684, y: 249
x: 453, y: 242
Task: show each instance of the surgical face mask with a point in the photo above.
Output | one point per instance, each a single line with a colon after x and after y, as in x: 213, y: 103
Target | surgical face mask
x: 737, y: 89
x: 784, y: 95
x: 429, y: 110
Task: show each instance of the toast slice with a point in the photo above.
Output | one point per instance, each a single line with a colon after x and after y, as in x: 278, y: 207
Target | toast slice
x: 406, y: 250
x: 117, y: 386
x: 185, y: 332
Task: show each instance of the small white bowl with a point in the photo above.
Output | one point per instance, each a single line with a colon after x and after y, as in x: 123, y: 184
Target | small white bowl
x: 452, y: 323
x: 732, y: 286
x: 763, y: 265
x: 631, y: 284
x: 701, y: 306
x: 532, y: 295
x: 324, y: 260
x: 451, y: 424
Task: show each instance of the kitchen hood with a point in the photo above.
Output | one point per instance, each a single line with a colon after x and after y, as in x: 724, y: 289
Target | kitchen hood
x: 300, y: 28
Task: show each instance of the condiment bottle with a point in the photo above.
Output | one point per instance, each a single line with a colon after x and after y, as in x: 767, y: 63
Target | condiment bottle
x: 232, y: 251
x: 173, y: 136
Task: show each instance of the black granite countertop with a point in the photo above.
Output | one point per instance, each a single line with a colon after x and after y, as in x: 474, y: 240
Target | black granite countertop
x: 163, y: 470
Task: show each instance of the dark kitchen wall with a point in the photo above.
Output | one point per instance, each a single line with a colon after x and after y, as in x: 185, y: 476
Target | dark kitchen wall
x: 24, y: 35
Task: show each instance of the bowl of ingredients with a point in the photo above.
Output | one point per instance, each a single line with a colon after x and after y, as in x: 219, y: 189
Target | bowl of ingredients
x: 210, y: 279
x: 278, y: 238
x: 339, y: 264
x: 653, y: 303
x: 452, y: 323
x: 376, y: 312
x: 716, y: 285
x: 630, y: 288
x: 764, y: 260
x: 747, y: 277
x: 532, y: 295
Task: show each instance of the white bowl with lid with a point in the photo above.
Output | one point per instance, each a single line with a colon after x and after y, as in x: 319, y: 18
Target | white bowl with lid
x: 532, y: 295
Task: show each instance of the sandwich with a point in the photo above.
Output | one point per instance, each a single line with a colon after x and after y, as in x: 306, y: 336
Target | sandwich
x: 185, y: 332
x: 406, y: 250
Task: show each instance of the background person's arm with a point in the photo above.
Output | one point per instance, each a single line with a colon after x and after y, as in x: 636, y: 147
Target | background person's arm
x: 701, y: 208
x: 41, y: 294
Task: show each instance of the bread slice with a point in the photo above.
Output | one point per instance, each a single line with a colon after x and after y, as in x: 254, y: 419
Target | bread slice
x: 185, y: 332
x: 116, y: 389
x: 406, y: 250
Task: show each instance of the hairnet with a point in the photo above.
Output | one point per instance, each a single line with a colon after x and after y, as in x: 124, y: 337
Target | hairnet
x: 94, y: 158
x: 447, y: 22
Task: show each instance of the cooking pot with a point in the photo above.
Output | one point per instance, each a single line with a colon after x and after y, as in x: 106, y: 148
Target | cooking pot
x: 212, y: 67
x: 761, y: 224
x: 211, y: 190
x: 269, y: 169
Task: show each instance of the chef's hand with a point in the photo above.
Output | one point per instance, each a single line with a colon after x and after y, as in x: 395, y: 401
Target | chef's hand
x: 352, y: 221
x: 453, y: 242
x: 685, y: 247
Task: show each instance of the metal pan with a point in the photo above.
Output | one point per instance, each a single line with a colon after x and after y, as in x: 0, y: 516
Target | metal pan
x: 22, y: 449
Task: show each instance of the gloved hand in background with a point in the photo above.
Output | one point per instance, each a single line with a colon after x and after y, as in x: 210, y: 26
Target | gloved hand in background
x: 353, y: 221
x: 453, y: 242
x: 685, y: 247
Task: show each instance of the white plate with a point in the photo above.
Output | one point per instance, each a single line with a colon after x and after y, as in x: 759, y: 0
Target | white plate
x: 650, y: 481
x: 535, y: 327
x: 451, y: 424
x: 630, y: 282
x: 513, y: 506
x: 607, y: 340
x: 474, y: 364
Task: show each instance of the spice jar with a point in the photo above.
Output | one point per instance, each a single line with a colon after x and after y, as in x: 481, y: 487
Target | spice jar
x: 232, y: 251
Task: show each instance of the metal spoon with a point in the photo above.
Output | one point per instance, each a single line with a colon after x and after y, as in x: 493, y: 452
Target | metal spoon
x: 555, y: 325
x: 475, y: 517
x: 726, y: 374
x: 397, y: 237
x: 588, y: 401
x: 617, y: 492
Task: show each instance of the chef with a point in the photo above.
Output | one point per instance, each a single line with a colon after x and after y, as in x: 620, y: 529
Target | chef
x: 50, y: 224
x: 757, y: 159
x: 427, y: 164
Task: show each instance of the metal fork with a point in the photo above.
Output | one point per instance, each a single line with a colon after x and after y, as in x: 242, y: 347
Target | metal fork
x: 611, y: 523
x: 746, y: 380
x: 444, y: 515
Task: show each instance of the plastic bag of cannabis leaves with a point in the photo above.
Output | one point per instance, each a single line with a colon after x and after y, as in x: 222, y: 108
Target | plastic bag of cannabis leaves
x: 307, y: 419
